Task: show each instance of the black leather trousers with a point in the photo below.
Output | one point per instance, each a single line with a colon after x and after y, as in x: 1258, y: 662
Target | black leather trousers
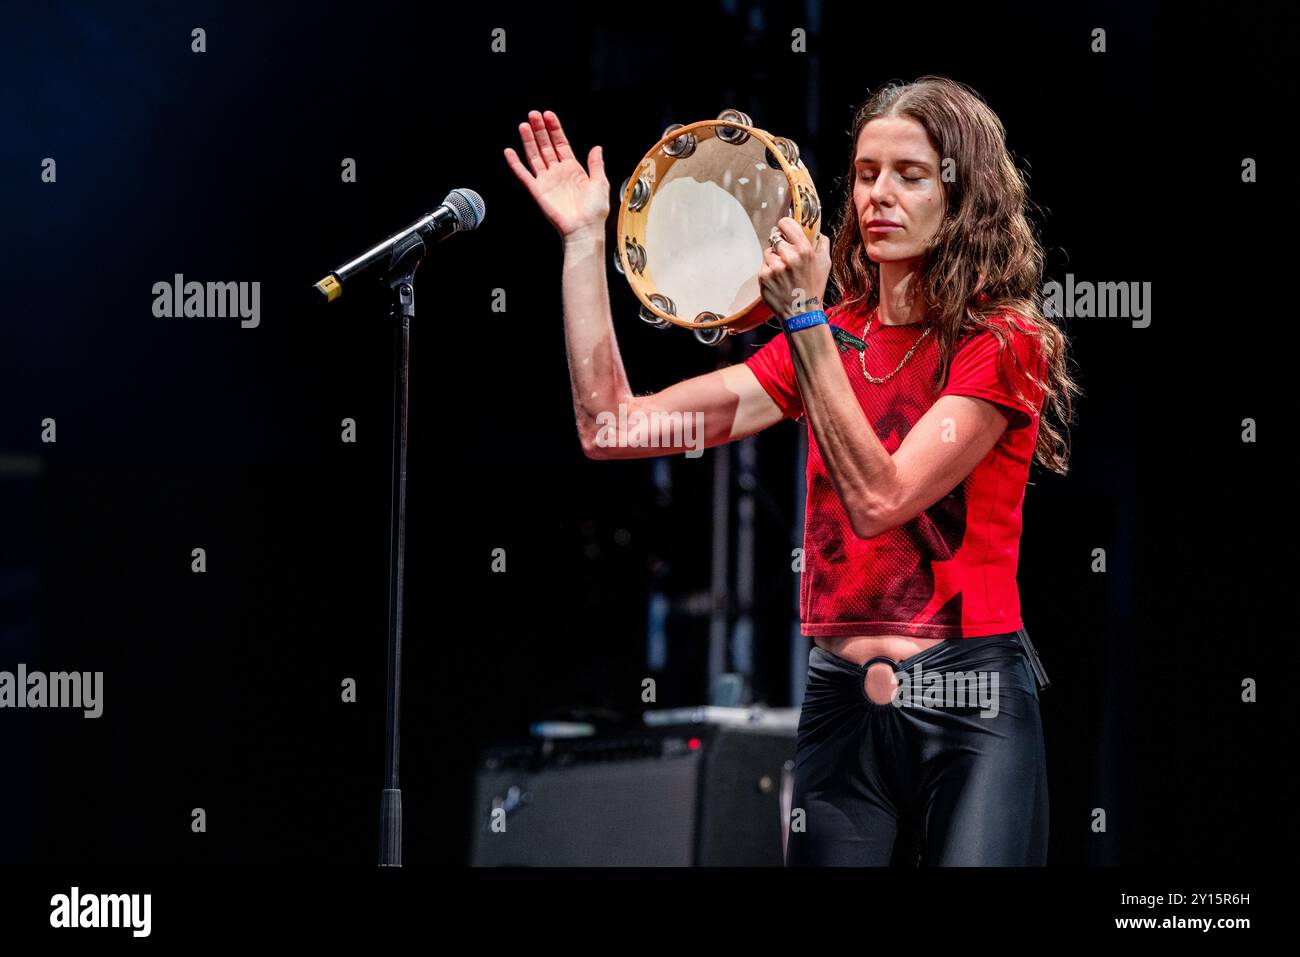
x: 952, y: 772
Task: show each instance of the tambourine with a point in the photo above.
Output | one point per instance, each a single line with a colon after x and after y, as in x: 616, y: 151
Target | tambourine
x: 696, y: 217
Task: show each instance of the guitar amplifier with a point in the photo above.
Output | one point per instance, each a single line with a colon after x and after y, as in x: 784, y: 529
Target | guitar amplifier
x: 697, y: 787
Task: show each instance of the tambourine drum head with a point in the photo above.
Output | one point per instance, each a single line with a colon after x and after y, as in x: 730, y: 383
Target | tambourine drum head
x: 708, y: 224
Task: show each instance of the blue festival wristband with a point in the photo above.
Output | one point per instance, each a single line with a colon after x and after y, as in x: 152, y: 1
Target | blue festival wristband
x: 804, y: 321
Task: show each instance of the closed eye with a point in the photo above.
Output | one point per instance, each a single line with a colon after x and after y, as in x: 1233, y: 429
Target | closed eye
x: 911, y: 179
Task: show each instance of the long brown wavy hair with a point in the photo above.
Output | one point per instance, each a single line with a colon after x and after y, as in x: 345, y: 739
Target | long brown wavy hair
x: 985, y: 258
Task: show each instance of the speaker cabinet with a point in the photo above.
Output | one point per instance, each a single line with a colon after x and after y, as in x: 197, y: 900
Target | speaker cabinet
x: 683, y: 794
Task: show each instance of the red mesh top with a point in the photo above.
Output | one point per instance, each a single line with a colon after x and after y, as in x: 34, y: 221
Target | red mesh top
x: 950, y: 572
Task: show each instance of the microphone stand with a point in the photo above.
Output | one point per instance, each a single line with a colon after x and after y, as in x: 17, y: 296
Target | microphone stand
x: 399, y: 277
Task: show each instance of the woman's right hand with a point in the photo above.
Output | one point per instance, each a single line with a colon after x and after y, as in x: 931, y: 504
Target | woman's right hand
x: 573, y: 201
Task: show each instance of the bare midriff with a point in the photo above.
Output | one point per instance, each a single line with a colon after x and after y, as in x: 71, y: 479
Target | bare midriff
x: 860, y: 649
x: 880, y: 681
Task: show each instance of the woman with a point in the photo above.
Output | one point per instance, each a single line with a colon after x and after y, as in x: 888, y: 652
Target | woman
x: 923, y: 392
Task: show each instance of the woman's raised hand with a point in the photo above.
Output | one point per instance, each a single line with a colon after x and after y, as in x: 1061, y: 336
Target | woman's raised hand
x: 574, y: 201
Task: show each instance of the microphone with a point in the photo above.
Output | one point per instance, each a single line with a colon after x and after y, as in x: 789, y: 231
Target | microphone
x: 462, y: 209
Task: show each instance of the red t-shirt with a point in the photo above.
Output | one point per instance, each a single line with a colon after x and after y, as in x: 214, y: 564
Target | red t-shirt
x: 950, y: 572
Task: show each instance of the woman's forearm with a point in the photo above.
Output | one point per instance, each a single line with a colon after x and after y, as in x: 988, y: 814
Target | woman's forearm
x: 858, y: 465
x: 595, y: 367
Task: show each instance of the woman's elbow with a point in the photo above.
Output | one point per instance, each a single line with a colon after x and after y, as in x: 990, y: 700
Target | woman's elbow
x: 870, y: 521
x: 592, y: 447
x: 864, y: 529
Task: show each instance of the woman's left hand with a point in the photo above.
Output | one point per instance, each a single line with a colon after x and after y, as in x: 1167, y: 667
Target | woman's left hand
x: 795, y: 272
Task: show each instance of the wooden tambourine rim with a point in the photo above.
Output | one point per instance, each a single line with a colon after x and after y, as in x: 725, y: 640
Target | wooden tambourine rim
x: 792, y: 178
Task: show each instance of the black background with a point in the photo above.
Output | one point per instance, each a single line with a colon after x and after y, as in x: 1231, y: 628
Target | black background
x: 223, y: 689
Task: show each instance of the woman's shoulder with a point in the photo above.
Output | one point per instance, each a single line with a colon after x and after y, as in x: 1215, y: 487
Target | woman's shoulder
x: 1012, y: 321
x: 1024, y: 337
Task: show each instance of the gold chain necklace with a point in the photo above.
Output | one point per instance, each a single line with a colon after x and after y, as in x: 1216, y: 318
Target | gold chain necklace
x: 862, y: 356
